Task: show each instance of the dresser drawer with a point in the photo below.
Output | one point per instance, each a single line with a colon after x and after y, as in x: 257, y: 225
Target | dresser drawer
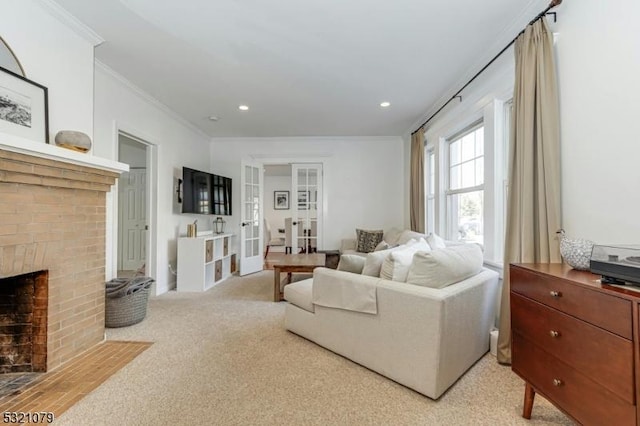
x: 605, y: 311
x: 604, y: 357
x: 586, y: 401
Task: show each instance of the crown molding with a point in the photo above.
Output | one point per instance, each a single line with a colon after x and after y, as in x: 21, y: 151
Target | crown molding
x: 150, y: 99
x: 58, y: 12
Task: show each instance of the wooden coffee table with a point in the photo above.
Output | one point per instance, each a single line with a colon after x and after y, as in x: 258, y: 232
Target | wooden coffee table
x: 293, y: 263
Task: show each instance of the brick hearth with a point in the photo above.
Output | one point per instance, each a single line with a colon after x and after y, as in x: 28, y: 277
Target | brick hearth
x: 52, y: 218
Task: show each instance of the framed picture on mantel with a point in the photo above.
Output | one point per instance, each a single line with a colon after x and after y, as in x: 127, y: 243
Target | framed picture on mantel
x: 23, y: 107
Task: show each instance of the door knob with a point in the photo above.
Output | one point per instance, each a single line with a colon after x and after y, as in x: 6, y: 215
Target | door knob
x: 554, y: 333
x: 557, y: 382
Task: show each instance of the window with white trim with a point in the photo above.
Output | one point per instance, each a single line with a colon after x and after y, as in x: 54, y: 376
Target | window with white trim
x: 430, y: 156
x: 465, y: 185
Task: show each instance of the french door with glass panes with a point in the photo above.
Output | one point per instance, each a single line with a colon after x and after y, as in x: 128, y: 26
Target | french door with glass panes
x: 251, y: 238
x: 306, y: 209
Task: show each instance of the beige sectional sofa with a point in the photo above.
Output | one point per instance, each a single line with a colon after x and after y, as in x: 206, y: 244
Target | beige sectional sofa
x: 424, y: 338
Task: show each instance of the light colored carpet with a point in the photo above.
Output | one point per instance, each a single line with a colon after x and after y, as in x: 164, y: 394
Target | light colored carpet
x: 224, y: 358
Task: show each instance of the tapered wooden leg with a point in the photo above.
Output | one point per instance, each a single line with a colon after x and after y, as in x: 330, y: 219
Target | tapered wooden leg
x: 529, y: 395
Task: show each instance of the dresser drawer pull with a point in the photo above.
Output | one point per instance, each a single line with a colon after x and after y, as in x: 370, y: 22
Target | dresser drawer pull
x: 555, y: 293
x: 557, y: 382
x: 554, y: 333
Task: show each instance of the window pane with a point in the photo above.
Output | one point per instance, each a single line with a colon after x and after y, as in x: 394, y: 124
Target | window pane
x: 466, y: 220
x: 432, y: 173
x: 430, y: 215
x: 468, y: 174
x: 302, y: 178
x: 479, y: 141
x: 454, y: 153
x: 479, y: 171
x: 468, y: 147
x: 455, y: 179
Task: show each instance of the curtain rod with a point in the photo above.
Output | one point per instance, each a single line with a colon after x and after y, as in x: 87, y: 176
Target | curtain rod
x: 553, y: 4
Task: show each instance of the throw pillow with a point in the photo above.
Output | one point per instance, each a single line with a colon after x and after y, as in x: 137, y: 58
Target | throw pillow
x: 391, y: 236
x: 395, y: 266
x: 373, y: 261
x: 443, y: 267
x: 367, y: 240
x: 407, y: 235
x: 382, y: 246
x: 351, y: 263
x: 435, y: 241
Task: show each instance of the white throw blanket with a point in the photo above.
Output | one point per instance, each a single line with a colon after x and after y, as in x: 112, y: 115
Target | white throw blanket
x: 357, y: 294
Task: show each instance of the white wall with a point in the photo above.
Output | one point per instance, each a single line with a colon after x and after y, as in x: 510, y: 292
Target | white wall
x: 276, y: 217
x: 598, y: 66
x: 118, y: 105
x: 56, y: 57
x: 363, y: 177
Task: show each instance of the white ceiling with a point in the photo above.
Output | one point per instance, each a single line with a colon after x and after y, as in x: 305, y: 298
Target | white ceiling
x: 305, y: 68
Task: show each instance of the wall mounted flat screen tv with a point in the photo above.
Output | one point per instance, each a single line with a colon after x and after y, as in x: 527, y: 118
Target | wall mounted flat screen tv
x: 205, y: 193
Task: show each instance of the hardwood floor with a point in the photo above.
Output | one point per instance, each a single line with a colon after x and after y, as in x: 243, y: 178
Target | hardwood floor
x: 56, y: 391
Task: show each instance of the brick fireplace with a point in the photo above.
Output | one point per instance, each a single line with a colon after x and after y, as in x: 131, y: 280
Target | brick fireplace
x: 52, y: 219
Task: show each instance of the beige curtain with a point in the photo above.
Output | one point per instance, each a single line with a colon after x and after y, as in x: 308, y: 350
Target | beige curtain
x: 533, y: 206
x: 416, y: 202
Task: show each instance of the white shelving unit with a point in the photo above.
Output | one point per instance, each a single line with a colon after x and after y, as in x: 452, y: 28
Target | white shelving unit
x: 204, y: 261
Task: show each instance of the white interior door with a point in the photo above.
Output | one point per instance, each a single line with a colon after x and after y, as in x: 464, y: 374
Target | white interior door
x: 133, y: 219
x: 306, y: 183
x: 251, y: 238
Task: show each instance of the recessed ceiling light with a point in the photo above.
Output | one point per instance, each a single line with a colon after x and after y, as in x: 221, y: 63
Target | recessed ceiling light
x: 385, y: 104
x: 243, y: 108
x: 214, y: 118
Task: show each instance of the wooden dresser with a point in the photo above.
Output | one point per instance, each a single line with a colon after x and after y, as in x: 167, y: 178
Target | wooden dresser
x: 575, y: 342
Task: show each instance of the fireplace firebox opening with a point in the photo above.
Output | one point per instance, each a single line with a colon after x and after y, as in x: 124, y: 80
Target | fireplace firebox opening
x: 23, y: 322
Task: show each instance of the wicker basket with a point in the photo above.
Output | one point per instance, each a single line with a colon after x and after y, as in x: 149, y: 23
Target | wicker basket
x: 126, y: 301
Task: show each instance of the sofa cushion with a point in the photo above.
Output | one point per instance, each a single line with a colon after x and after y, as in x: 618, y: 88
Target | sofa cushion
x: 351, y: 263
x: 299, y: 294
x: 391, y: 236
x: 395, y: 266
x: 408, y: 235
x: 435, y: 241
x: 367, y: 240
x: 443, y: 267
x: 373, y: 261
x: 382, y: 245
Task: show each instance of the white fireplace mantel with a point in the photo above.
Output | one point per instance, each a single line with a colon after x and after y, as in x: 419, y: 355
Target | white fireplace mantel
x: 53, y: 152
